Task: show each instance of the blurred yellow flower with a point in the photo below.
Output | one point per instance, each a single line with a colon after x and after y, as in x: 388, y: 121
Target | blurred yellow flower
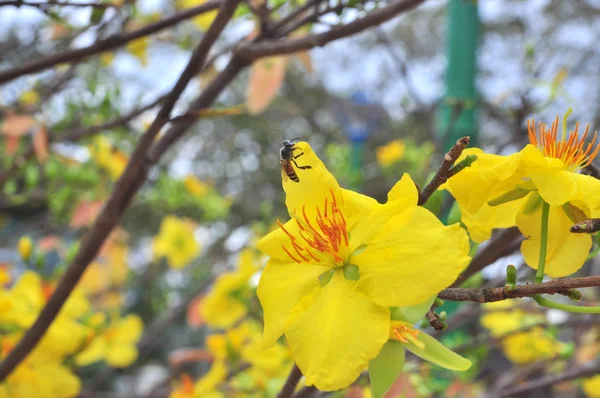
x: 106, y: 58
x: 25, y: 247
x: 39, y: 375
x: 591, y: 387
x: 530, y: 346
x: 176, y: 242
x: 107, y: 157
x: 108, y: 271
x: 5, y: 277
x: 202, y: 21
x: 195, y: 186
x: 116, y: 345
x: 504, y: 191
x: 139, y: 49
x: 391, y: 152
x: 29, y: 98
x: 227, y: 301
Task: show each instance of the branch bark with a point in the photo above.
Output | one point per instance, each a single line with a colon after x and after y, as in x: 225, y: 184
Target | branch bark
x: 107, y: 44
x: 287, y: 391
x: 589, y: 369
x: 19, y: 3
x: 488, y: 295
x: 131, y: 180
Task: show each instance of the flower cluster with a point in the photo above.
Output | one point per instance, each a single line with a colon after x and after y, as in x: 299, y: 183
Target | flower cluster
x: 348, y: 278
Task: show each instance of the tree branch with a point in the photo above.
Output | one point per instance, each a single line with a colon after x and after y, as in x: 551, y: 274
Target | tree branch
x: 43, y: 6
x: 441, y: 176
x: 287, y: 391
x: 488, y: 295
x: 589, y: 369
x: 131, y: 180
x: 107, y: 44
x: 500, y: 246
x: 267, y: 48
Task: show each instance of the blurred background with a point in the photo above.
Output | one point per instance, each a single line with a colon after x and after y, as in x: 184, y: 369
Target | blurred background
x: 388, y: 101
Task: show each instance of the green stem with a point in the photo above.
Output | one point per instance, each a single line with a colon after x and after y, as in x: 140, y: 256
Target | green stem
x: 565, y: 307
x: 539, y: 275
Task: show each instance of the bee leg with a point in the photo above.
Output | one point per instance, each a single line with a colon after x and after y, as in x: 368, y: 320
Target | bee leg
x: 301, y: 167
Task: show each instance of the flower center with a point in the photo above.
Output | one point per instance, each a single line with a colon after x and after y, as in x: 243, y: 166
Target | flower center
x: 405, y: 333
x: 568, y: 149
x: 324, y: 239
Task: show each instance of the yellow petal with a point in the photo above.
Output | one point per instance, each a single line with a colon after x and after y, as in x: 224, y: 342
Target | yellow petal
x: 93, y: 353
x: 356, y: 205
x: 282, y: 285
x: 121, y: 355
x: 557, y: 187
x: 591, y: 387
x: 566, y: 252
x: 334, y: 333
x: 405, y: 189
x: 413, y: 257
x: 487, y: 218
x: 487, y: 178
x: 316, y: 184
x: 402, y: 198
x: 129, y: 329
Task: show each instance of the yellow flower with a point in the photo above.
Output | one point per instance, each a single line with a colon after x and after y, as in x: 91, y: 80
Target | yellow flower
x: 530, y: 346
x: 341, y: 261
x: 139, y: 49
x: 176, y: 242
x: 39, y: 375
x: 184, y: 389
x: 390, y: 153
x: 116, y: 345
x: 503, y: 191
x: 29, y: 98
x: 25, y: 247
x: 111, y: 160
x: 5, y: 277
x: 202, y: 21
x: 195, y: 186
x: 206, y: 386
x: 591, y: 387
x: 226, y: 303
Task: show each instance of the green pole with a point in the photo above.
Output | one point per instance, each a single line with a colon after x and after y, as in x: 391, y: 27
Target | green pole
x: 457, y: 115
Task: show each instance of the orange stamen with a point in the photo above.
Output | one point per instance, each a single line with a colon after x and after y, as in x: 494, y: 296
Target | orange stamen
x: 570, y: 150
x: 322, y: 237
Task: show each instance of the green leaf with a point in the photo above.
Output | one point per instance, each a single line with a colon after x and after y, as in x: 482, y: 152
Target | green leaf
x: 436, y: 353
x: 97, y: 15
x: 386, y: 367
x: 414, y: 313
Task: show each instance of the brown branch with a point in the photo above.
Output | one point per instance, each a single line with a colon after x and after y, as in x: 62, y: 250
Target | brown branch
x: 503, y: 244
x: 267, y: 48
x: 587, y: 370
x: 441, y: 176
x: 306, y: 392
x: 43, y: 6
x: 287, y: 391
x: 110, y: 43
x: 131, y: 180
x: 488, y: 295
x: 592, y: 170
x: 435, y: 321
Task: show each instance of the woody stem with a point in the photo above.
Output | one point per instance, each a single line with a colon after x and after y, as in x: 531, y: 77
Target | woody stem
x: 539, y: 275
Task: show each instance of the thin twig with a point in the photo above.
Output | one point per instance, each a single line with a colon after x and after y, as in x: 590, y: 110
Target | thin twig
x: 267, y: 48
x: 108, y: 44
x: 46, y: 5
x: 287, y: 391
x: 488, y: 295
x: 441, y: 176
x: 589, y: 369
x: 434, y: 320
x: 130, y: 181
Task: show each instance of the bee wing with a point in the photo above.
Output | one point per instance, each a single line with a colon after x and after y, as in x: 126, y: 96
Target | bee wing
x: 284, y: 174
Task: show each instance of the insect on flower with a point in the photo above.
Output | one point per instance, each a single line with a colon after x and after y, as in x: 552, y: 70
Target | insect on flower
x: 287, y: 157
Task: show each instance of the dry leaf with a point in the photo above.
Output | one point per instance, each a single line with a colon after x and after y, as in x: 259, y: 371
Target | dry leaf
x: 187, y: 355
x: 194, y: 317
x: 40, y: 144
x: 85, y: 213
x: 17, y: 125
x: 266, y: 77
x: 11, y: 144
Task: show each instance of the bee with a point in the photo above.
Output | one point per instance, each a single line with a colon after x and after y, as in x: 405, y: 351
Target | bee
x: 287, y: 157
